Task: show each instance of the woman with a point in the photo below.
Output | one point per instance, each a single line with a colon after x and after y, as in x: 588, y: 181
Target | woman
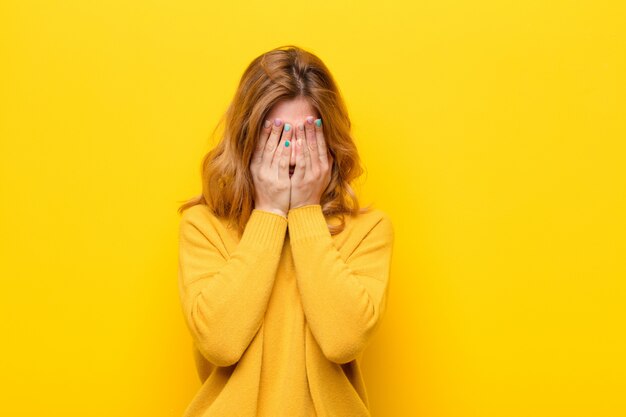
x: 282, y: 277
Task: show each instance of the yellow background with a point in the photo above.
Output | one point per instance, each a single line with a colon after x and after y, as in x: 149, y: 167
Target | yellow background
x: 493, y: 133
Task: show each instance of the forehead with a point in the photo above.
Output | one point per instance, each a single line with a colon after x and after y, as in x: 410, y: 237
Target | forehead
x: 292, y: 110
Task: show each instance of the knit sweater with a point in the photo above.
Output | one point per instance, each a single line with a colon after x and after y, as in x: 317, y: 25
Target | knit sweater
x: 280, y: 317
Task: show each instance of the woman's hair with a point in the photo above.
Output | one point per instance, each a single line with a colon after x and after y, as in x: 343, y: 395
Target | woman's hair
x: 286, y: 72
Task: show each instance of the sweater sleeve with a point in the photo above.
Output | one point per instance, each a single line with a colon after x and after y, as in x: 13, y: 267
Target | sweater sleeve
x: 343, y: 301
x: 224, y: 297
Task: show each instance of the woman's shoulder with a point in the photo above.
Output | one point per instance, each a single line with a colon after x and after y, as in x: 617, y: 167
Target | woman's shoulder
x: 359, y: 225
x: 195, y: 213
x: 202, y: 218
x: 371, y: 217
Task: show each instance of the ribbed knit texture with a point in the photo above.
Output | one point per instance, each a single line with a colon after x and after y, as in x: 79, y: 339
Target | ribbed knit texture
x: 279, y: 322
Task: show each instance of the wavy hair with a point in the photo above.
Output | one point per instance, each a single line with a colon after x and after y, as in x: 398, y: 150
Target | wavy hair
x: 286, y: 72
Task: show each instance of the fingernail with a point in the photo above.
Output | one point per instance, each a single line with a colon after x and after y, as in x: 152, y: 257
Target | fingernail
x: 309, y: 120
x: 286, y: 144
x: 318, y: 122
x: 287, y: 127
x: 267, y: 124
x: 277, y: 122
x: 300, y: 126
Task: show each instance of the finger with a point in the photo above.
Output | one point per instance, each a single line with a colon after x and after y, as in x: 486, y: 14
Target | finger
x: 299, y: 142
x: 312, y: 142
x: 306, y: 147
x: 321, y: 142
x: 285, y: 142
x: 272, y: 142
x: 261, y: 141
x: 300, y: 157
x: 285, y: 155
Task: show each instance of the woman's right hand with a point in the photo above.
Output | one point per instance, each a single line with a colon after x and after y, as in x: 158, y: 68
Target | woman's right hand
x: 270, y: 168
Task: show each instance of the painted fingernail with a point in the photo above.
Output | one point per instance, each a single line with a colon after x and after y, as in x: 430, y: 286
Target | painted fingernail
x: 318, y: 122
x: 300, y: 126
x: 309, y: 120
x: 286, y: 144
x: 277, y: 122
x: 267, y: 124
x: 287, y: 127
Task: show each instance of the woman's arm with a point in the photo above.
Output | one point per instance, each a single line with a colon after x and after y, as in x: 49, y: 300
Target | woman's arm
x: 343, y: 301
x: 224, y: 298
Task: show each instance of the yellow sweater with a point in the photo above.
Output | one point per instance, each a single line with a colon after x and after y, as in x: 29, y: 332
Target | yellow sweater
x: 280, y: 318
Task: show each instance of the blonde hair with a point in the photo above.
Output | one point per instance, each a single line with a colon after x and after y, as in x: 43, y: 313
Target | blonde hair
x: 286, y: 72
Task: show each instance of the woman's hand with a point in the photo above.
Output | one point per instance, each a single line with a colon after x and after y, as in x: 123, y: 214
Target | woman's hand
x: 270, y: 168
x: 313, y: 165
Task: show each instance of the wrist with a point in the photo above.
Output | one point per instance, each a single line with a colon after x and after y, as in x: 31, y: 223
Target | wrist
x: 272, y: 210
x: 310, y: 203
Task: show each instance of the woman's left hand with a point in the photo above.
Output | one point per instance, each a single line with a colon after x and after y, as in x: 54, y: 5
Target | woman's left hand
x: 313, y: 165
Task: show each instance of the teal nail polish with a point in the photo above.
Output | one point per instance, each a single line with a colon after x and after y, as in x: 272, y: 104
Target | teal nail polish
x: 286, y: 144
x: 318, y: 122
x: 287, y: 127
